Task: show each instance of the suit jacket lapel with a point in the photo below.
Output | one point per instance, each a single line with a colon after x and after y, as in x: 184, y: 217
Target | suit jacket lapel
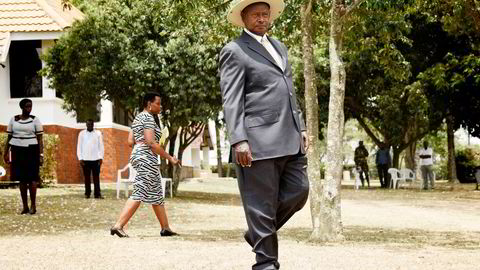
x: 282, y: 54
x: 258, y: 48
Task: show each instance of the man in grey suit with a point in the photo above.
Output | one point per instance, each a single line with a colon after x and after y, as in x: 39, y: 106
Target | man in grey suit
x: 265, y: 126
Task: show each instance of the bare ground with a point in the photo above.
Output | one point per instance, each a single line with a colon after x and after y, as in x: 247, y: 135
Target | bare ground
x: 384, y: 229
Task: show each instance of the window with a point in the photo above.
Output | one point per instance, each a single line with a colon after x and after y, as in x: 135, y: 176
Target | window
x: 24, y: 66
x: 121, y: 115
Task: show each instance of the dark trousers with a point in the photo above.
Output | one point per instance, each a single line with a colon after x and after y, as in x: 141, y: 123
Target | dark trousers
x: 92, y: 167
x: 272, y: 191
x: 383, y: 175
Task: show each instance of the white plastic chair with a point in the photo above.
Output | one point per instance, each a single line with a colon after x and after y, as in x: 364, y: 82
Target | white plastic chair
x: 131, y: 176
x: 408, y: 176
x: 164, y: 183
x: 395, y: 177
x: 125, y: 181
x: 164, y: 180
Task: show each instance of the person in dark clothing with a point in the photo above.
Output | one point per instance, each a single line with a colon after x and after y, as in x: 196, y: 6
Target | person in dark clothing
x: 361, y: 155
x: 383, y: 161
x: 25, y: 144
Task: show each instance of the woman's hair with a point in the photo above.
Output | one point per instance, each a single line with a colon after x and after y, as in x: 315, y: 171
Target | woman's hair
x: 149, y: 97
x: 24, y: 102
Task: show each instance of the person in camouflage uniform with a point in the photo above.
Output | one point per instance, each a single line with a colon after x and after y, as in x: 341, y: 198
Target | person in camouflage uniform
x: 360, y: 158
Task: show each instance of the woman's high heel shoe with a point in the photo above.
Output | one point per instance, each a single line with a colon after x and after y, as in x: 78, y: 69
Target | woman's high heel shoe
x: 119, y: 232
x: 164, y: 232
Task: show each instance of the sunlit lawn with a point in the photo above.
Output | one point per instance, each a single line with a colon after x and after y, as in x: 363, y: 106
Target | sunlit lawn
x: 64, y: 209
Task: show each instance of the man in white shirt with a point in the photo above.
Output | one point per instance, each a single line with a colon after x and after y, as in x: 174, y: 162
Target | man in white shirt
x: 90, y: 153
x: 426, y: 164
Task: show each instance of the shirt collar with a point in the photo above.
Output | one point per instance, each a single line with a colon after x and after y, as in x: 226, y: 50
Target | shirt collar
x: 255, y: 36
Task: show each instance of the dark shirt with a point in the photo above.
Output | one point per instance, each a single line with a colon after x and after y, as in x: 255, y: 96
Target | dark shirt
x: 383, y: 157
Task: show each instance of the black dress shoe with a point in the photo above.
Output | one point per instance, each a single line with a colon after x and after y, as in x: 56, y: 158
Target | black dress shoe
x: 24, y: 211
x: 99, y: 197
x: 167, y: 233
x: 87, y: 196
x: 33, y: 211
x: 119, y: 232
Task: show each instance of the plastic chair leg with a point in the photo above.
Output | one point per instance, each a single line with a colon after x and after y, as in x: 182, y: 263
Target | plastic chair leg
x: 118, y: 190
x: 126, y: 190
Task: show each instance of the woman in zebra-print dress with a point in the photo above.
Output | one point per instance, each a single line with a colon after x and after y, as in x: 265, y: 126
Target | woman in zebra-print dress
x: 147, y: 185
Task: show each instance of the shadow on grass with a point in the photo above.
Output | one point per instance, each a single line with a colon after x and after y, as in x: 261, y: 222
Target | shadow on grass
x: 411, y: 238
x: 354, y: 235
x: 208, y: 198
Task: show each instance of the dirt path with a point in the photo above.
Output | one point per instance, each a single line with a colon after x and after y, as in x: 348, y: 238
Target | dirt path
x: 412, y: 233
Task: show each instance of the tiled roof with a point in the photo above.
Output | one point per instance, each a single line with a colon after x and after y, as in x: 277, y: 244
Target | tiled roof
x: 33, y: 16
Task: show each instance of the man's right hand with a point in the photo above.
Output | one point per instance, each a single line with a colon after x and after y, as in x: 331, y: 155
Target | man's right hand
x: 243, y: 154
x: 82, y: 163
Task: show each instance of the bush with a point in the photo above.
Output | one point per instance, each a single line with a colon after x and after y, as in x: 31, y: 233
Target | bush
x: 441, y: 169
x: 225, y: 168
x: 47, y: 171
x: 467, y: 161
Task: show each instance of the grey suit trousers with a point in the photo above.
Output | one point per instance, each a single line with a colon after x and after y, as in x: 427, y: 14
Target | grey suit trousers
x: 272, y: 190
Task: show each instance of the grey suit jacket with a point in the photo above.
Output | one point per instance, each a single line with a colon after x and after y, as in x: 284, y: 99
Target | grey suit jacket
x: 259, y: 99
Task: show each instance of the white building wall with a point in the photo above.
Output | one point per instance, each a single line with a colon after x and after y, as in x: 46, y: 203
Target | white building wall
x: 465, y: 139
x: 224, y: 144
x: 4, y: 92
x: 48, y: 107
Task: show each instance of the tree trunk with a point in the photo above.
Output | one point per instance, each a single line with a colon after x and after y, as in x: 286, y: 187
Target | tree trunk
x: 219, y: 151
x: 177, y: 171
x: 311, y: 100
x: 396, y: 158
x: 451, y: 166
x: 171, y: 150
x: 410, y: 156
x: 411, y: 150
x: 330, y: 211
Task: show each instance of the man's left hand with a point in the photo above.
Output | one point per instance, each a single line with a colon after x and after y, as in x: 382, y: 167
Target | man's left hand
x: 305, y: 140
x: 100, y: 161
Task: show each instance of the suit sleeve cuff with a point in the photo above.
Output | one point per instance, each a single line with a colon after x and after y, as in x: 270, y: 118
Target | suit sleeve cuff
x: 237, y: 140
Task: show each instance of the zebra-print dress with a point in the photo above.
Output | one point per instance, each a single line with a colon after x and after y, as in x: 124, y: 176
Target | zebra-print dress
x: 147, y: 185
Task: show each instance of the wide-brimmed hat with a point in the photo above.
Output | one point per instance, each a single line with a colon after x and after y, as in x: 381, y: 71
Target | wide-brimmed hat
x: 235, y: 13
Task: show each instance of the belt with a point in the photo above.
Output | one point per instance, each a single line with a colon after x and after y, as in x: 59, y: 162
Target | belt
x: 24, y: 138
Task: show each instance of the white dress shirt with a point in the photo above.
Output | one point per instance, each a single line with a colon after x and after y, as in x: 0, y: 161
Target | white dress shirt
x: 268, y: 46
x: 90, y: 145
x: 426, y: 161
